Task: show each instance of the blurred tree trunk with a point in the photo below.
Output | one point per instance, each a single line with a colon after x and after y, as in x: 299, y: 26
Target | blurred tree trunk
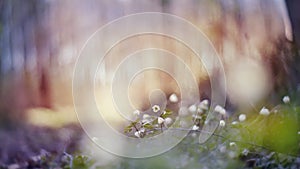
x: 294, y: 63
x: 294, y: 12
x: 24, y: 52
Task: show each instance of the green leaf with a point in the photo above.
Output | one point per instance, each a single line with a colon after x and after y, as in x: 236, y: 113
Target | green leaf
x: 148, y: 126
x: 167, y: 113
x: 128, y: 129
x: 82, y: 162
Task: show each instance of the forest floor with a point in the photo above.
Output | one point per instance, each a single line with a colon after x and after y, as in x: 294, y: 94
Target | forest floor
x: 258, y: 141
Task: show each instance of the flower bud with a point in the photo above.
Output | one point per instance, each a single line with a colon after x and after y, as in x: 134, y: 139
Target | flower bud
x: 173, y: 98
x: 264, y: 111
x: 222, y: 123
x: 286, y: 99
x: 195, y: 127
x: 242, y: 117
x: 193, y: 108
x: 160, y: 120
x: 168, y: 121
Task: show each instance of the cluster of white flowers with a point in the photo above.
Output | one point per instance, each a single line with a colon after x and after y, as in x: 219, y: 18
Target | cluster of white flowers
x: 265, y: 111
x: 220, y: 109
x: 161, y: 118
x: 147, y: 121
x: 166, y: 121
x: 202, y: 106
x: 197, y: 111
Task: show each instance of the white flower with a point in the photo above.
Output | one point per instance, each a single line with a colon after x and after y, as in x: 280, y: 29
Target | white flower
x: 168, y: 121
x: 146, y: 116
x: 204, y: 105
x: 183, y: 111
x: 146, y: 119
x: 220, y: 109
x: 242, y: 117
x: 193, y: 108
x: 234, y: 122
x: 137, y: 134
x: 160, y: 120
x: 140, y: 133
x: 231, y: 144
x: 199, y: 110
x: 299, y: 132
x: 136, y: 112
x: 264, y: 111
x: 205, y: 102
x: 286, y: 99
x: 142, y: 130
x: 245, y: 152
x: 222, y: 123
x: 195, y: 127
x: 173, y: 98
x: 155, y: 108
x: 223, y: 112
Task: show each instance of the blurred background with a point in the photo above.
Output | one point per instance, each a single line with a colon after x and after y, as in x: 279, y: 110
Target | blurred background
x: 257, y: 40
